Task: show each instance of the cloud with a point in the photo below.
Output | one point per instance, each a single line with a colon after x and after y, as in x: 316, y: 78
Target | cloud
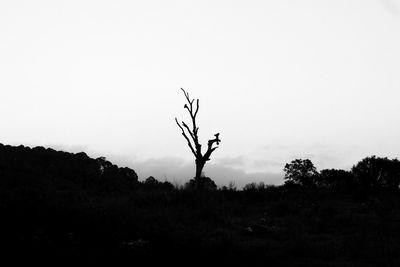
x: 235, y: 162
x: 277, y: 147
x: 178, y: 170
x: 165, y: 168
x: 222, y: 175
x: 391, y: 6
x: 267, y: 164
x: 239, y: 169
x: 246, y: 163
x: 222, y: 171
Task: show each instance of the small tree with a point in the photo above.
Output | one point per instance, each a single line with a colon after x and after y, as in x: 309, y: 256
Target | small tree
x: 192, y: 138
x: 301, y: 172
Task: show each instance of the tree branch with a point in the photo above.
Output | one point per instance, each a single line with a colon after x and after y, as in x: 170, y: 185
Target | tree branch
x: 197, y: 108
x: 193, y: 114
x: 190, y: 132
x: 187, y: 97
x: 187, y: 139
x: 211, y: 149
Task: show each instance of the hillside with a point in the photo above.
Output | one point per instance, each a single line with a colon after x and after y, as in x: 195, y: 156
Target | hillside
x: 46, y: 169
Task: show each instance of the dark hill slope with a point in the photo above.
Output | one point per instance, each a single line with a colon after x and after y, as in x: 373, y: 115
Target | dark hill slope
x: 24, y: 168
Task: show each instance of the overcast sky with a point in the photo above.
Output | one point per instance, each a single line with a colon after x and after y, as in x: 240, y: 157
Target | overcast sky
x: 278, y: 79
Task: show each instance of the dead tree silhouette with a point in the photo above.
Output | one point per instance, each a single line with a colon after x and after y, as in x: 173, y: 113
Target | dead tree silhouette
x: 193, y: 141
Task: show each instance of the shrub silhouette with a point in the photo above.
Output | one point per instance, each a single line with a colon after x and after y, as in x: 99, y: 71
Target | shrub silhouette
x: 153, y: 183
x: 201, y: 184
x: 255, y: 187
x: 231, y: 187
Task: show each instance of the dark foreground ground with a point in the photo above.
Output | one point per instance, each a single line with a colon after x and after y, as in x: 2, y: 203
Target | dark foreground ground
x: 269, y: 227
x: 59, y: 208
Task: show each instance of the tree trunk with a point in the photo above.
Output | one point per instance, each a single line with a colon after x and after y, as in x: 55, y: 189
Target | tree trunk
x: 199, y: 168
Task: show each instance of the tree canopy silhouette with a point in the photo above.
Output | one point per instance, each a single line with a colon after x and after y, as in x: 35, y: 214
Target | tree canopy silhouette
x: 377, y: 172
x: 46, y: 169
x: 192, y: 138
x: 301, y: 172
x: 336, y: 179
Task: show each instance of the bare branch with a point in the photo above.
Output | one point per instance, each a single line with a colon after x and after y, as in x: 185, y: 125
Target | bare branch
x: 186, y: 95
x: 190, y: 132
x: 211, y: 149
x: 209, y: 152
x: 187, y: 139
x: 197, y: 108
x: 189, y: 109
x: 217, y: 138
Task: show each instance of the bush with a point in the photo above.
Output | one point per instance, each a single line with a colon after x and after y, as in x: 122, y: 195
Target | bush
x: 202, y: 184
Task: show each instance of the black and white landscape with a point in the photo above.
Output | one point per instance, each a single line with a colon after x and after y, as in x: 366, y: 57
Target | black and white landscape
x: 200, y: 132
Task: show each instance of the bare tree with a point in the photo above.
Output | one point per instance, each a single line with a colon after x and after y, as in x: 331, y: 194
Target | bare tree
x: 191, y: 136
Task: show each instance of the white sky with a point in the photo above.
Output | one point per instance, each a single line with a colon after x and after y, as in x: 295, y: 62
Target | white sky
x: 278, y: 79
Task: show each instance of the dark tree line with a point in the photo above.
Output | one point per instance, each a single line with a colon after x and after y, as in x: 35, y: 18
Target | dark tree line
x: 369, y: 173
x: 46, y: 168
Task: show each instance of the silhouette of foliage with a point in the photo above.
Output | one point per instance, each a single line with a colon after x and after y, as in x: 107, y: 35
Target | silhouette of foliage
x: 49, y: 168
x: 201, y: 184
x: 337, y: 180
x: 376, y: 172
x: 300, y: 172
x: 254, y: 186
x: 231, y: 187
x: 153, y: 183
